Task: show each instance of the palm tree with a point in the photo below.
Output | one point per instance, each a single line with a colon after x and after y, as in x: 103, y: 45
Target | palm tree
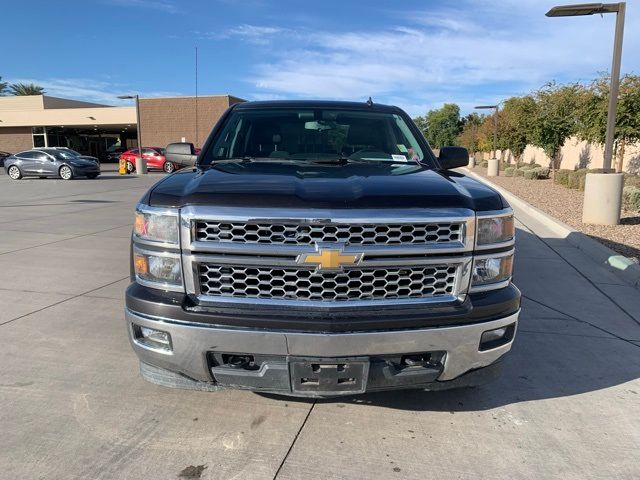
x: 26, y: 89
x: 3, y: 87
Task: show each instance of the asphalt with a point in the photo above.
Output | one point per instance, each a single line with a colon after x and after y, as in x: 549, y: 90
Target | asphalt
x: 72, y: 404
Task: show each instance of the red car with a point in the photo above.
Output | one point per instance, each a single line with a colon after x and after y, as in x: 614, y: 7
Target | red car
x: 154, y: 157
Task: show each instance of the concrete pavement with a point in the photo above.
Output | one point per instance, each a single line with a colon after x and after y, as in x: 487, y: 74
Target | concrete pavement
x: 73, y: 404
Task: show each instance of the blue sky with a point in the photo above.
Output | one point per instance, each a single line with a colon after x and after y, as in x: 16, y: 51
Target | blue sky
x: 415, y: 54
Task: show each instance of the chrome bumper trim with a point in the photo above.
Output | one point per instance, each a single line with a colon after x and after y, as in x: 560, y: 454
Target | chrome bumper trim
x: 192, y: 342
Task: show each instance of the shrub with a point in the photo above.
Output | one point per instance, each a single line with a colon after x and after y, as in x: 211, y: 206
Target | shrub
x: 508, y: 172
x: 543, y: 172
x: 577, y: 179
x: 537, y: 173
x: 484, y: 163
x: 631, y: 180
x: 562, y: 177
x: 519, y: 172
x: 631, y: 198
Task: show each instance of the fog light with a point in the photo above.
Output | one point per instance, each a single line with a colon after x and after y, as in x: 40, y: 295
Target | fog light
x: 152, y: 338
x: 497, y: 337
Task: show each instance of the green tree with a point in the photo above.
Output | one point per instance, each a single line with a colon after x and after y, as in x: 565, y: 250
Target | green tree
x: 443, y: 125
x: 421, y: 123
x: 515, y: 124
x: 3, y: 88
x: 556, y: 117
x: 26, y: 89
x: 593, y: 115
x: 469, y: 137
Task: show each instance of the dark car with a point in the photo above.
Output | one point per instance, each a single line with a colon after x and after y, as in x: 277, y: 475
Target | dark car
x: 320, y: 249
x: 50, y: 162
x: 3, y: 155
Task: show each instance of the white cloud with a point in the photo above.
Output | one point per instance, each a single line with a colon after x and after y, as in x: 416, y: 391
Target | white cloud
x: 89, y: 90
x: 162, y: 5
x: 255, y: 34
x: 482, y: 52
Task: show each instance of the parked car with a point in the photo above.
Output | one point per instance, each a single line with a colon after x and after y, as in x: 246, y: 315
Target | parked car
x: 50, y: 162
x: 153, y: 155
x: 3, y: 155
x: 113, y: 153
x: 73, y: 153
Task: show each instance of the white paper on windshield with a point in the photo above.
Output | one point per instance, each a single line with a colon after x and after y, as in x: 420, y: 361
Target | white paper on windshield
x: 399, y: 158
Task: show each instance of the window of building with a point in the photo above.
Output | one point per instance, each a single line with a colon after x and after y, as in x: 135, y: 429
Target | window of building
x: 39, y: 137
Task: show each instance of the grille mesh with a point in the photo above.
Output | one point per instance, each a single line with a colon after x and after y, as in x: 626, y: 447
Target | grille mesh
x: 309, y: 233
x: 349, y: 284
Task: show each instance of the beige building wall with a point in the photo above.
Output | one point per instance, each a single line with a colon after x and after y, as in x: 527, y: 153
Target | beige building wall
x: 54, y: 117
x: 41, y: 102
x: 575, y: 154
x: 21, y: 103
x: 167, y: 120
x: 15, y: 139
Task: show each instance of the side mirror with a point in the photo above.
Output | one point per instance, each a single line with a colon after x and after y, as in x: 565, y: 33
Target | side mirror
x: 181, y: 153
x: 453, y: 157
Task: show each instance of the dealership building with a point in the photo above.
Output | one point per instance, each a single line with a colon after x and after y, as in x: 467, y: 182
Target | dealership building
x: 92, y: 128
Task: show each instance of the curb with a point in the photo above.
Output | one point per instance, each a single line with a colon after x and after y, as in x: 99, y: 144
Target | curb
x: 628, y: 271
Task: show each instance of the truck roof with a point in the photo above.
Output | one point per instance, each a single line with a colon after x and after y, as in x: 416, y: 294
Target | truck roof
x: 375, y: 107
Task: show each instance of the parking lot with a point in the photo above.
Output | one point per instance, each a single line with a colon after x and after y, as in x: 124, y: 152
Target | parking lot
x: 74, y: 406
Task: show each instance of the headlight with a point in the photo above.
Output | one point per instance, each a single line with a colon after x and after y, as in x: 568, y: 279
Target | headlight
x: 158, y: 270
x: 492, y: 272
x: 156, y: 225
x: 493, y: 230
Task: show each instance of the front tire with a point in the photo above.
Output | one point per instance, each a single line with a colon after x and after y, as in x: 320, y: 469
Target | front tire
x: 169, y: 167
x: 15, y: 173
x: 65, y: 172
x: 130, y: 167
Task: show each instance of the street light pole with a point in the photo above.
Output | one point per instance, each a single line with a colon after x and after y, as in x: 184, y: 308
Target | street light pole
x: 141, y: 164
x: 613, y: 91
x: 603, y: 192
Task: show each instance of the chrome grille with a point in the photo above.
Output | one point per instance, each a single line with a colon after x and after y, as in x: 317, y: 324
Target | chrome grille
x: 381, y: 283
x: 312, y: 233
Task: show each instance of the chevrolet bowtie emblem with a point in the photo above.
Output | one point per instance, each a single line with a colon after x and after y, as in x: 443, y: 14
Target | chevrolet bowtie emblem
x: 329, y: 258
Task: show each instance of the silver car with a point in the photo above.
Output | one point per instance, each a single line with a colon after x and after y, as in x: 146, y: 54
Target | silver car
x: 50, y: 162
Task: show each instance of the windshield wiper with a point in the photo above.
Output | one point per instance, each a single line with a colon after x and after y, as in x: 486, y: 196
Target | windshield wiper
x: 341, y: 160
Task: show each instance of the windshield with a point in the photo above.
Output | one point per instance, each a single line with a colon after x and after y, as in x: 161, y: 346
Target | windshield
x: 315, y: 134
x: 63, y: 154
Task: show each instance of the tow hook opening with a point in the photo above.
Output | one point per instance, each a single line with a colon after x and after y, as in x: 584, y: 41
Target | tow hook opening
x: 244, y: 362
x: 425, y: 359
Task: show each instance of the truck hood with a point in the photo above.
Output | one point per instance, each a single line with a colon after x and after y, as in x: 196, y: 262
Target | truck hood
x: 308, y: 185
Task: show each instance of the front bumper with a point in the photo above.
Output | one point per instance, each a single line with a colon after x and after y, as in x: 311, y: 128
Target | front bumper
x: 84, y: 171
x: 194, y: 347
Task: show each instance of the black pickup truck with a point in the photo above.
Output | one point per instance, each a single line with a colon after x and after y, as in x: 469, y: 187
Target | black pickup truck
x: 320, y: 249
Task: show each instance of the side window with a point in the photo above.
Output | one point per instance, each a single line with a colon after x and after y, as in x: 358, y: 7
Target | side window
x: 29, y: 155
x: 149, y: 151
x: 40, y: 156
